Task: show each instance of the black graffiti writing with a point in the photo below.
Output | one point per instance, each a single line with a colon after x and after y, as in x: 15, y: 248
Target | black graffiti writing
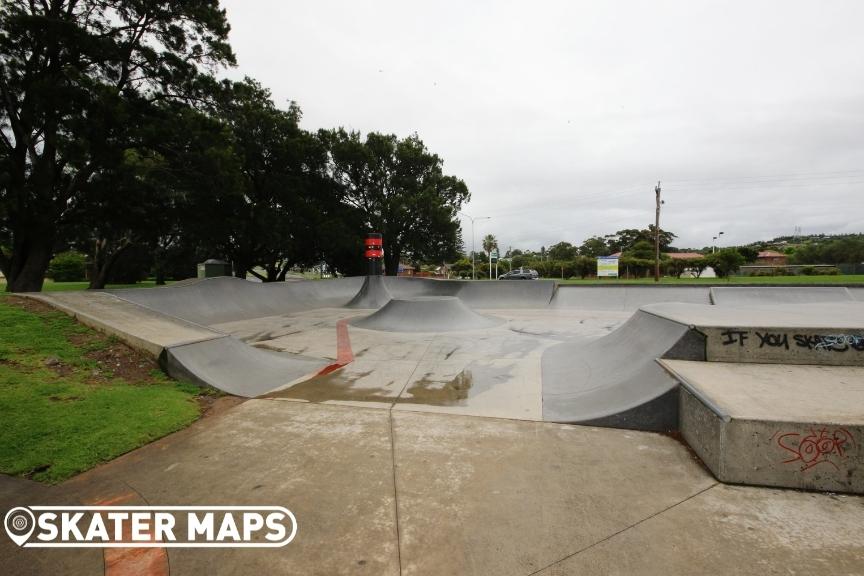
x: 816, y: 342
x: 830, y: 342
x: 773, y: 340
x: 733, y: 336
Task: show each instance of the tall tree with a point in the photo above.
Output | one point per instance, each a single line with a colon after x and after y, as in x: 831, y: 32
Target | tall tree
x: 625, y: 239
x: 179, y: 188
x: 402, y: 192
x: 594, y: 246
x: 562, y: 251
x: 489, y: 243
x: 286, y: 190
x: 79, y: 80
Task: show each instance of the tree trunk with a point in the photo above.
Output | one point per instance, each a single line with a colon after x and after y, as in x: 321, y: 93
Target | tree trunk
x: 103, y: 263
x: 391, y: 260
x: 32, y: 248
x: 159, y: 266
x: 240, y: 269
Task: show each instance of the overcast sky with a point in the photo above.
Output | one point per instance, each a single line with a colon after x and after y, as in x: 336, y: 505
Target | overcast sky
x: 561, y: 116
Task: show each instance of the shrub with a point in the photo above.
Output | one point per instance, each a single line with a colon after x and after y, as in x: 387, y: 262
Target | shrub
x: 725, y: 262
x: 832, y: 271
x: 68, y: 266
x: 809, y: 271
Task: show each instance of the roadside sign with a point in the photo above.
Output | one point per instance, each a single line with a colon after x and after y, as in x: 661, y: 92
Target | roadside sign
x: 607, y: 267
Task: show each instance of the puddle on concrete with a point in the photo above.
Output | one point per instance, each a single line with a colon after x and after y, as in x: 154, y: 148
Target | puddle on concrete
x: 455, y: 392
x: 267, y: 335
x: 337, y: 385
x: 266, y: 346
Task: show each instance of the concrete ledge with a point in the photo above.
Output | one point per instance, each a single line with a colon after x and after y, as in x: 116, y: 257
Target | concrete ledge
x: 830, y: 334
x: 137, y: 326
x: 767, y: 425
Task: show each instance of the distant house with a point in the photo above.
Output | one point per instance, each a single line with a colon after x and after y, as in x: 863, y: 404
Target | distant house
x: 683, y: 255
x: 771, y: 258
x: 406, y: 270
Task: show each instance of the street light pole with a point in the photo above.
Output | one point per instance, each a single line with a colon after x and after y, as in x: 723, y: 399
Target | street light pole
x: 657, y: 235
x: 714, y: 242
x: 473, y: 251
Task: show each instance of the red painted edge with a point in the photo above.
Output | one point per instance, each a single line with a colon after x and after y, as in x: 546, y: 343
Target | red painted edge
x: 132, y: 561
x: 344, y: 354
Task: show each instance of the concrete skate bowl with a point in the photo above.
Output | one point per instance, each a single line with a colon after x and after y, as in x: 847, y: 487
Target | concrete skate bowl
x: 426, y: 314
x: 588, y: 353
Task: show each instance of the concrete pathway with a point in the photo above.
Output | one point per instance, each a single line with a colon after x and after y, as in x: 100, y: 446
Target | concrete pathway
x: 381, y: 491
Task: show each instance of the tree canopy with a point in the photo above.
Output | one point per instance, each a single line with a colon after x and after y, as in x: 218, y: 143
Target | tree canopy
x: 117, y: 140
x: 80, y: 82
x: 401, y: 191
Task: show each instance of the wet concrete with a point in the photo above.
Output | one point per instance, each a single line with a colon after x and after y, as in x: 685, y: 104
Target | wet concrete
x: 384, y: 493
x: 493, y: 371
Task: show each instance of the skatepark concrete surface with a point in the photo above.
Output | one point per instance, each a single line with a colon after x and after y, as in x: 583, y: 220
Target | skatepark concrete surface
x: 383, y: 492
x: 529, y: 350
x: 447, y: 427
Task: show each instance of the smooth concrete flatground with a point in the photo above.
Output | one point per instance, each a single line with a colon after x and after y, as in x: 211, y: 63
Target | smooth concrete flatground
x: 383, y: 492
x: 492, y: 371
x: 778, y: 392
x: 840, y: 315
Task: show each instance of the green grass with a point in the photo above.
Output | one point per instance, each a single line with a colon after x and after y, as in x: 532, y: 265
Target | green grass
x: 55, y: 423
x: 51, y: 286
x: 792, y: 280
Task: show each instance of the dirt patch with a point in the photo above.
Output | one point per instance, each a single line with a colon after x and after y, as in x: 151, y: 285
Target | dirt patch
x: 114, y: 359
x: 117, y: 359
x: 29, y: 304
x: 85, y: 339
x: 216, y: 405
x: 58, y: 367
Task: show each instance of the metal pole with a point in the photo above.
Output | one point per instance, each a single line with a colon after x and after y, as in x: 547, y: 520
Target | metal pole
x: 473, y: 250
x: 657, y: 235
x: 473, y: 241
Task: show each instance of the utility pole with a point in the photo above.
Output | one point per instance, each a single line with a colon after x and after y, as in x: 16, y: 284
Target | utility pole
x: 473, y: 269
x: 657, y: 235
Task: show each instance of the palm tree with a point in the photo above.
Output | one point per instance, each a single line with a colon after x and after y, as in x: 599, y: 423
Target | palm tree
x: 489, y: 243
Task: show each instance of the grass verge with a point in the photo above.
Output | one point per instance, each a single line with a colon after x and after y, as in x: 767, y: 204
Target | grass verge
x: 71, y: 398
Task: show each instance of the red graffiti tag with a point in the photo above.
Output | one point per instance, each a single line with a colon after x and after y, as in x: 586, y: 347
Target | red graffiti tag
x: 821, y: 446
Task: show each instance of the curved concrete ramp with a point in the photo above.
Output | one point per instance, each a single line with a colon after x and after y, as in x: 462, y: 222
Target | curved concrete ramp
x: 510, y: 294
x: 513, y: 294
x: 235, y: 367
x: 758, y: 296
x: 615, y: 380
x: 425, y: 314
x: 373, y: 294
x: 625, y: 298
x: 226, y: 299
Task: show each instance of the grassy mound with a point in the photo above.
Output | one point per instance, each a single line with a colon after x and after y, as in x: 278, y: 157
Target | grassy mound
x: 71, y: 398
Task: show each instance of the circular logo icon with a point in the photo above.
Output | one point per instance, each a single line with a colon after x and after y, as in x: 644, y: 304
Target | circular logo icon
x: 19, y: 523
